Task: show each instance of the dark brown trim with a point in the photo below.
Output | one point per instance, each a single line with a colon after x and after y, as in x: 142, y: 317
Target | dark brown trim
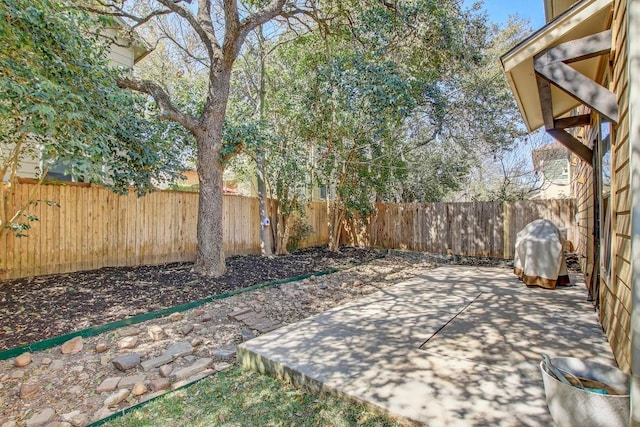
x: 581, y: 88
x: 551, y: 67
x: 572, y: 122
x: 576, y: 50
x: 572, y: 143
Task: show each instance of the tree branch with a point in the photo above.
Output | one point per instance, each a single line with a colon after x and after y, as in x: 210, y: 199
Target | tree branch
x: 200, y: 24
x: 168, y: 111
x: 248, y: 24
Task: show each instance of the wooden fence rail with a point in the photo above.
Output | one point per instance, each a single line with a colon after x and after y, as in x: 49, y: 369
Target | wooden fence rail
x: 95, y: 228
x: 486, y: 229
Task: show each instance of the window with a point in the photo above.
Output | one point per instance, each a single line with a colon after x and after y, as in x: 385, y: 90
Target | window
x: 323, y: 192
x: 605, y: 153
x: 603, y: 163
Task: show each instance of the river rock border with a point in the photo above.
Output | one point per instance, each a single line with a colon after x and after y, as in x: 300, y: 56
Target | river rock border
x: 87, y: 379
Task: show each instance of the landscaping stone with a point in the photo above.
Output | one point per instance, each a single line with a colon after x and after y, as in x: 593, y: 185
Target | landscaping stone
x: 175, y: 317
x: 101, y: 413
x: 41, y: 418
x: 192, y: 379
x: 165, y: 370
x: 199, y: 365
x: 222, y: 366
x: 57, y: 365
x: 181, y: 348
x: 247, y: 335
x: 357, y: 283
x: 72, y: 346
x: 265, y: 326
x: 155, y: 332
x: 224, y: 352
x: 139, y: 389
x: 23, y: 360
x: 239, y: 312
x: 76, y: 384
x: 108, y: 384
x: 130, y: 381
x: 159, y: 384
x: 16, y: 375
x: 156, y: 362
x: 116, y: 398
x: 247, y: 317
x: 28, y: 390
x: 127, y: 342
x: 76, y: 418
x: 206, y: 318
x: 129, y: 361
x: 153, y: 395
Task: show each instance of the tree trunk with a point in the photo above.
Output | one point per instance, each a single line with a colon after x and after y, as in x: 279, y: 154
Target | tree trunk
x: 210, y: 259
x: 282, y: 232
x: 335, y: 218
x: 266, y: 236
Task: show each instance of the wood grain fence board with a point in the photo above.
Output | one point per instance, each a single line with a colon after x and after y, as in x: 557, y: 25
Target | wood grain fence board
x: 94, y: 227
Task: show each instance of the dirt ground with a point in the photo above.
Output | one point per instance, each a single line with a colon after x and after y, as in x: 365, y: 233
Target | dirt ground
x: 72, y: 389
x: 36, y: 308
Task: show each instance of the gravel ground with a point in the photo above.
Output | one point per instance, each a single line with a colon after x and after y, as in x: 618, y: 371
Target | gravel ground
x: 36, y: 308
x: 73, y: 388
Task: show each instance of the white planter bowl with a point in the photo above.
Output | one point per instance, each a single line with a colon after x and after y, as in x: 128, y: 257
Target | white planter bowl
x: 571, y: 406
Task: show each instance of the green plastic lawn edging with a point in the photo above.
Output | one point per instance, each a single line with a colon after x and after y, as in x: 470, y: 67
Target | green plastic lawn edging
x: 95, y: 330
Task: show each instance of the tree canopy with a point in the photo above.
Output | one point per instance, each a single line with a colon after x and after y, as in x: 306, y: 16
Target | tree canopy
x: 374, y: 101
x: 59, y: 103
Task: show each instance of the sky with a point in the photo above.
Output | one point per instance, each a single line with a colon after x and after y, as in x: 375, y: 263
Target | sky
x: 499, y: 10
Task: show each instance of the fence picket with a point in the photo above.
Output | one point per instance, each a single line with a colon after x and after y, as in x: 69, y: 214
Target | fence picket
x: 94, y: 228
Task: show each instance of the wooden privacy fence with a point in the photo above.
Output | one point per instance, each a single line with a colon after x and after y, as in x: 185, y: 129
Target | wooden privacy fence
x: 94, y: 228
x: 472, y: 229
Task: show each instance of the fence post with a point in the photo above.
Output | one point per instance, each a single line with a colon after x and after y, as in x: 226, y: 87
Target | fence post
x: 505, y: 229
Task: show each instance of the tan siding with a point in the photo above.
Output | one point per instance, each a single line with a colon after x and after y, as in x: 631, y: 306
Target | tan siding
x: 616, y: 307
x: 119, y: 53
x: 29, y: 165
x: 583, y: 191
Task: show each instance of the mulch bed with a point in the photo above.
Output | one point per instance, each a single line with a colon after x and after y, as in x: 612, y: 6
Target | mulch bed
x: 36, y: 308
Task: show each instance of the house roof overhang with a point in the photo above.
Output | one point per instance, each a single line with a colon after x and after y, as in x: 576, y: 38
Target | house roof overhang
x: 553, y: 8
x: 138, y: 45
x: 583, y: 19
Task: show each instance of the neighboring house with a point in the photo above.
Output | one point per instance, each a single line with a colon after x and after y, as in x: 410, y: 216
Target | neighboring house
x: 552, y: 164
x: 122, y: 53
x: 572, y: 77
x: 231, y: 186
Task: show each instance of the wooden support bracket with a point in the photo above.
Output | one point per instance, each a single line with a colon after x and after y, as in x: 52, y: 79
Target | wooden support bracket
x: 551, y: 68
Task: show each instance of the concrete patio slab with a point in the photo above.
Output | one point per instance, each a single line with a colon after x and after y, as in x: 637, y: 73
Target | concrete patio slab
x: 453, y: 346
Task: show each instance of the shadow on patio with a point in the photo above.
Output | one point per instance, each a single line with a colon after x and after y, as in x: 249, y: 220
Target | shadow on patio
x: 453, y: 346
